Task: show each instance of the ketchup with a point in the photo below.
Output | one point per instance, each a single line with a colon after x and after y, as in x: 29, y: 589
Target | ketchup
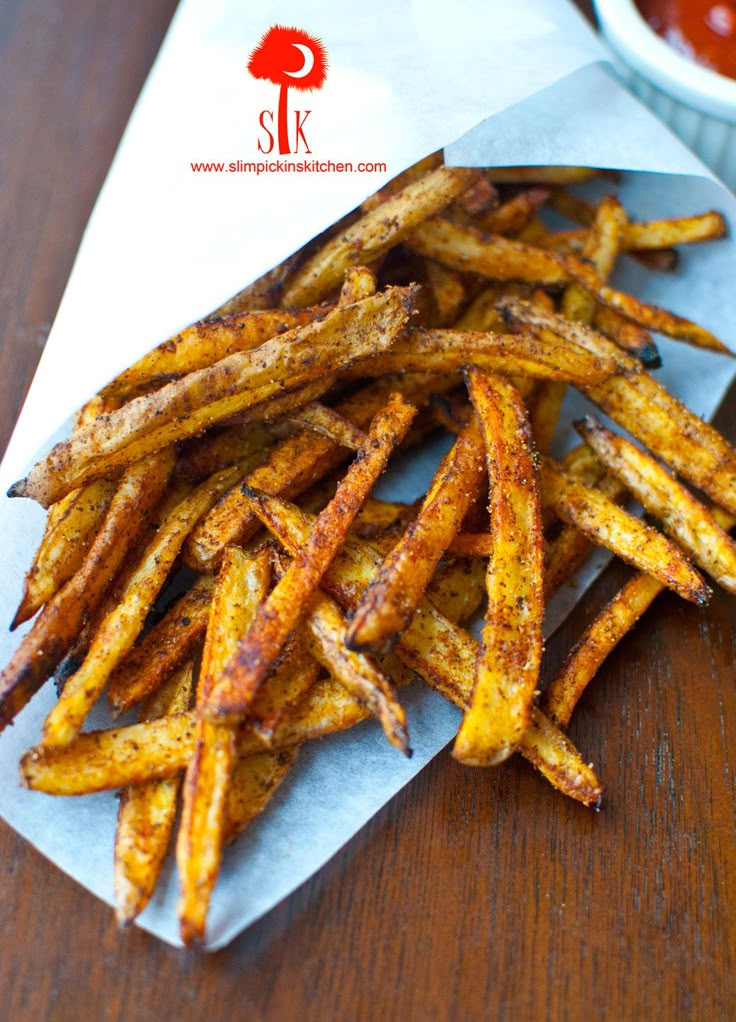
x: 700, y: 29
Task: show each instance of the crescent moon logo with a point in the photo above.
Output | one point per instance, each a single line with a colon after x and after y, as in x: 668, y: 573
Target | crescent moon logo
x: 306, y: 68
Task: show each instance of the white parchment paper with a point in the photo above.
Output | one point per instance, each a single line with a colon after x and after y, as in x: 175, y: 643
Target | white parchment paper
x: 165, y: 245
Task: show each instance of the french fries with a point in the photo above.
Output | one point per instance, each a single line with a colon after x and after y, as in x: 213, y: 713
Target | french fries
x: 175, y: 560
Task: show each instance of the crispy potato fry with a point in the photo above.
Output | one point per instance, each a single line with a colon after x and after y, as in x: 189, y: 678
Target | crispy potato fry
x: 601, y: 248
x: 146, y: 815
x: 247, y: 670
x: 634, y: 399
x: 357, y: 673
x: 596, y: 642
x: 63, y: 549
x: 203, y: 344
x: 507, y: 670
x: 376, y: 232
x: 628, y: 537
x: 241, y: 586
x: 200, y: 399
x: 329, y: 423
x: 448, y: 292
x: 513, y: 215
x: 359, y: 282
x: 444, y: 351
x: 627, y: 335
x: 683, y: 517
x: 122, y: 626
x: 167, y: 645
x: 214, y: 451
x: 54, y: 632
x: 391, y: 599
x: 295, y: 673
x: 254, y: 780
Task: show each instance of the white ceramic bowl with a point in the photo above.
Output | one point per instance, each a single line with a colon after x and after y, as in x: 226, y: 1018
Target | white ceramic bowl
x: 698, y: 104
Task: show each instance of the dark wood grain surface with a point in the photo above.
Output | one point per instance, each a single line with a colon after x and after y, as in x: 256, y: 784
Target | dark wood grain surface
x: 474, y: 894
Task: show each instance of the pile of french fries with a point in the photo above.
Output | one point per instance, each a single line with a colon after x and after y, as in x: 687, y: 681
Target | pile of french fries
x: 213, y: 557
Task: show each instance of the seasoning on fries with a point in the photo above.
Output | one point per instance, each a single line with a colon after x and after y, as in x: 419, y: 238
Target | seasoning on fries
x: 213, y: 556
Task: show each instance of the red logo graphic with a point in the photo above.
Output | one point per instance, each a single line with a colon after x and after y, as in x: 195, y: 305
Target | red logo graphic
x: 291, y: 59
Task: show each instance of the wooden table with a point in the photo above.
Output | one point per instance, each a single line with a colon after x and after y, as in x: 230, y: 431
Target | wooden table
x: 474, y: 894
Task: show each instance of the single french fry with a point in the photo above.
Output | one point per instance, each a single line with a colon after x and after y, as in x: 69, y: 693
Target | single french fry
x: 507, y: 670
x: 146, y: 815
x: 203, y: 344
x: 391, y: 599
x: 63, y: 549
x: 374, y: 233
x: 628, y: 537
x: 167, y: 645
x: 359, y: 282
x: 636, y: 401
x: 54, y: 631
x: 513, y: 215
x: 683, y: 517
x: 630, y: 336
x: 187, y: 406
x: 296, y: 672
x: 205, y: 455
x: 241, y: 586
x: 329, y: 423
x: 359, y: 674
x: 252, y: 783
x: 279, y: 614
x: 122, y: 626
x: 448, y: 292
x: 601, y: 248
x: 615, y: 620
x: 445, y: 351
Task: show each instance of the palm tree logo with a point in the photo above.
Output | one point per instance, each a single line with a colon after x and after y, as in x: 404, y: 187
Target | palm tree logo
x: 291, y: 59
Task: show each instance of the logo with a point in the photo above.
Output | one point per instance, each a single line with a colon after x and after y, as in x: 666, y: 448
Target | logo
x: 291, y: 59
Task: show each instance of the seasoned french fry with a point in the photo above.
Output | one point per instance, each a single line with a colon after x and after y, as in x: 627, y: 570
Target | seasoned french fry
x: 376, y: 232
x: 448, y: 291
x: 683, y: 517
x: 507, y: 670
x: 630, y: 336
x: 279, y: 614
x: 444, y: 351
x: 513, y: 215
x: 241, y: 586
x: 203, y: 344
x: 168, y: 644
x: 629, y: 538
x: 390, y: 600
x: 53, y: 633
x: 596, y: 642
x: 254, y: 780
x: 359, y: 674
x: 359, y: 282
x: 208, y: 454
x: 296, y: 672
x: 329, y: 423
x: 122, y: 626
x: 63, y: 549
x: 200, y: 399
x: 146, y: 815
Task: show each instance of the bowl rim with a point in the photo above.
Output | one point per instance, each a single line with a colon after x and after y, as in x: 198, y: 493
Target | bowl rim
x: 639, y: 46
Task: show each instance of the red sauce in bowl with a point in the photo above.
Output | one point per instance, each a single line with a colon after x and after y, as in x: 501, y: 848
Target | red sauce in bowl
x: 702, y: 30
